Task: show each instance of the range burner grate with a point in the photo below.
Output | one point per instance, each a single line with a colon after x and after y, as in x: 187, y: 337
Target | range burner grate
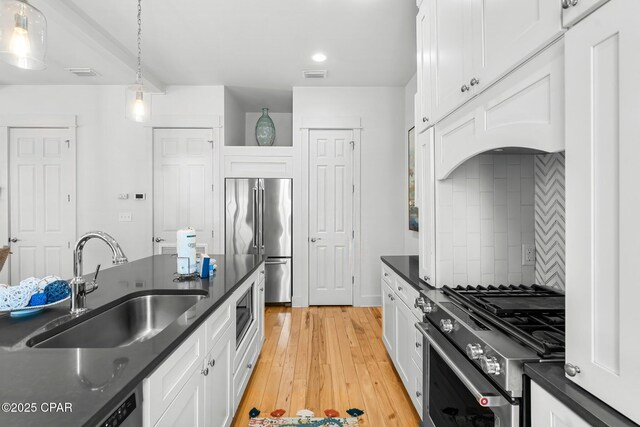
x: 534, y: 315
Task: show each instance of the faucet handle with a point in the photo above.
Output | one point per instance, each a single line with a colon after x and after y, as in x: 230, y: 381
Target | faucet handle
x: 93, y: 285
x: 95, y: 276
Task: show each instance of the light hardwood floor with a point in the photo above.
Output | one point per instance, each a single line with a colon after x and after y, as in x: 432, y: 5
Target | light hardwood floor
x: 327, y: 357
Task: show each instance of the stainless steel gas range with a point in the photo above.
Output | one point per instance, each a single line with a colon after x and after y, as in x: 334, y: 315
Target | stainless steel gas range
x: 476, y: 341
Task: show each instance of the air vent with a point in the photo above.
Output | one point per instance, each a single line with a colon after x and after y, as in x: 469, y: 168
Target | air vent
x: 83, y: 72
x: 315, y: 74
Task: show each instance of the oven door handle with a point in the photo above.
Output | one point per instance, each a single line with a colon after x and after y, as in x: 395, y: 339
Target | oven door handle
x: 487, y: 400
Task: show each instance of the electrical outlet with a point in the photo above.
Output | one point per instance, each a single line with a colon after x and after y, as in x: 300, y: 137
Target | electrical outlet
x: 124, y: 217
x: 123, y: 196
x: 528, y: 254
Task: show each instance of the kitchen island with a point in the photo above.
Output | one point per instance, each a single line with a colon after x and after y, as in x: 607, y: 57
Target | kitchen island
x: 83, y: 386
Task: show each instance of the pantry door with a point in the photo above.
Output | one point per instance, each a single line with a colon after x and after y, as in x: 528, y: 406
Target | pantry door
x: 42, y: 202
x: 182, y: 187
x: 331, y: 232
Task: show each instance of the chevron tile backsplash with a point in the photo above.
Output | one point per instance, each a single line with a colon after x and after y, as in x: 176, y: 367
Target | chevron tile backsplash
x: 550, y: 219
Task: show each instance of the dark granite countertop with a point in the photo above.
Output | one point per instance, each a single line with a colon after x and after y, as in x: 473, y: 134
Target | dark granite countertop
x: 407, y: 267
x: 69, y: 375
x: 550, y: 376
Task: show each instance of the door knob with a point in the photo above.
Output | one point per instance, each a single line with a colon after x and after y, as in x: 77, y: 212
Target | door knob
x: 158, y: 240
x: 315, y: 239
x: 14, y: 239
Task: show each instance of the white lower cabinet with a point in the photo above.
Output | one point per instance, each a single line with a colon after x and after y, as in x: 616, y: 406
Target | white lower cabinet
x: 404, y: 341
x: 188, y: 408
x: 547, y: 411
x: 399, y: 334
x: 197, y: 385
x: 218, y: 391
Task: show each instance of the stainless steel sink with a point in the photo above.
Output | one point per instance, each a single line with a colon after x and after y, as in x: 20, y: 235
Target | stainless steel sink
x: 132, y: 321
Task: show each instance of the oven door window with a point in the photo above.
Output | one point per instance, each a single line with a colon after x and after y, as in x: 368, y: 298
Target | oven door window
x: 244, y: 315
x: 450, y: 402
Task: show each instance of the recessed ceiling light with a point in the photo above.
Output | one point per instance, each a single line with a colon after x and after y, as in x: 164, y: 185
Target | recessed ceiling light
x: 319, y: 57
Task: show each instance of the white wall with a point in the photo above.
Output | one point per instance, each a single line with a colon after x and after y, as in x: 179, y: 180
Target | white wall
x: 114, y: 155
x: 233, y: 119
x: 283, y: 123
x: 383, y: 148
x: 410, y: 237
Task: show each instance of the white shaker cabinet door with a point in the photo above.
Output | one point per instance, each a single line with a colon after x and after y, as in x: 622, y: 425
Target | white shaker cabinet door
x: 187, y: 409
x: 388, y: 319
x: 451, y: 57
x: 547, y: 411
x: 603, y: 205
x: 575, y: 10
x: 423, y: 44
x: 218, y: 394
x: 426, y: 188
x: 506, y: 33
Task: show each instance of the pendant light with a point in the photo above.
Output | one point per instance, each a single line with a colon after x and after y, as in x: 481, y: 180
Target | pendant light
x: 138, y: 98
x: 23, y: 35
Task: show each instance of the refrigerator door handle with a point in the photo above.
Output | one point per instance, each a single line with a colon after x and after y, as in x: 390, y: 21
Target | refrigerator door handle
x: 255, y: 217
x: 275, y: 262
x: 262, y: 203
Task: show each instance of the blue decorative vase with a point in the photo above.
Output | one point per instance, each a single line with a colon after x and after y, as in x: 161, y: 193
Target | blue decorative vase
x: 265, y: 129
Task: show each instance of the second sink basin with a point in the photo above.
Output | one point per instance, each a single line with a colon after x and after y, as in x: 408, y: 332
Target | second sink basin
x: 134, y: 320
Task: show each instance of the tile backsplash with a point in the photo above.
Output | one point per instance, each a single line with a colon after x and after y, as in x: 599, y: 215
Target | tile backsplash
x: 485, y: 213
x: 550, y: 220
x: 492, y: 205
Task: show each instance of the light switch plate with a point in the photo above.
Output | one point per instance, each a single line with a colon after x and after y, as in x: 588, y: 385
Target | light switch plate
x: 528, y: 254
x: 124, y: 217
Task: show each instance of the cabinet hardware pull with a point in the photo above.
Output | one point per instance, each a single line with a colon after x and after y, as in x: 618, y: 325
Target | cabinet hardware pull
x: 425, y: 120
x: 212, y: 362
x: 418, y: 394
x: 249, y: 366
x: 400, y: 288
x: 205, y: 372
x: 566, y: 4
x: 464, y: 88
x: 418, y: 344
x: 474, y: 82
x: 571, y: 370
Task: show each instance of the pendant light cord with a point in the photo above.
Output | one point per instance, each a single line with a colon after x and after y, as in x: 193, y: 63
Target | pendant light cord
x: 139, y: 72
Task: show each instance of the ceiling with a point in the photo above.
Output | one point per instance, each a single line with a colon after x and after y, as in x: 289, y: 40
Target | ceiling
x: 240, y: 43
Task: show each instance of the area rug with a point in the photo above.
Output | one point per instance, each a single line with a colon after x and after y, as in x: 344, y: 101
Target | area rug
x: 304, y: 421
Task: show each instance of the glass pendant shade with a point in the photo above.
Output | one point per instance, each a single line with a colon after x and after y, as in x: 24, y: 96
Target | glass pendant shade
x: 138, y: 107
x: 23, y: 35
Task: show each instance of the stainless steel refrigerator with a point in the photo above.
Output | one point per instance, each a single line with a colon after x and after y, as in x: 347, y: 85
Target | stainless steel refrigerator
x: 259, y: 221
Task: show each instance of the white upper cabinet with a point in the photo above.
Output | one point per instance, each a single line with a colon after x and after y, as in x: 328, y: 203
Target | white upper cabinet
x: 426, y: 204
x: 575, y: 10
x: 603, y: 205
x: 476, y: 42
x: 505, y: 33
x: 450, y: 55
x: 423, y: 104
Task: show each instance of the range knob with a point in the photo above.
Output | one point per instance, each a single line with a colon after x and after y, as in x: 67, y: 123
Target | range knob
x: 474, y: 351
x: 490, y: 365
x: 423, y: 305
x: 446, y: 325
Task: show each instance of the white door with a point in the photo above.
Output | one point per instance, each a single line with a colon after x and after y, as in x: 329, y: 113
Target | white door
x: 574, y: 12
x: 425, y: 163
x: 507, y: 33
x: 451, y: 55
x: 42, y: 199
x: 182, y: 187
x: 330, y: 217
x: 603, y: 204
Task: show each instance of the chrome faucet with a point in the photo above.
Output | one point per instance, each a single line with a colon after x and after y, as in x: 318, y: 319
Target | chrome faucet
x: 79, y: 287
